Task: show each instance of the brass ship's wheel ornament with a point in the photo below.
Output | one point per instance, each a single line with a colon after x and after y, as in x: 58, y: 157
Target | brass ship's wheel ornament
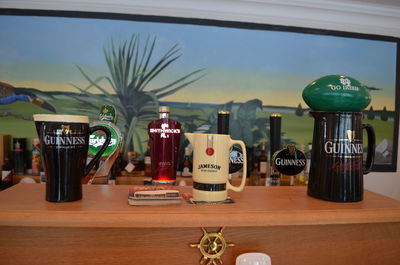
x: 212, y: 246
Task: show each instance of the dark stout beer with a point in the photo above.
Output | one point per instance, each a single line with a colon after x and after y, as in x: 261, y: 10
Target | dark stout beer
x: 64, y: 140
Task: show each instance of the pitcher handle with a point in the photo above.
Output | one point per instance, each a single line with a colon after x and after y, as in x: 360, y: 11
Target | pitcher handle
x: 371, y: 148
x: 241, y: 186
x: 102, y: 149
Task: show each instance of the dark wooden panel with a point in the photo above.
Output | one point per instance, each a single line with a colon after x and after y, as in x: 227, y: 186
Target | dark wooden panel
x: 315, y: 244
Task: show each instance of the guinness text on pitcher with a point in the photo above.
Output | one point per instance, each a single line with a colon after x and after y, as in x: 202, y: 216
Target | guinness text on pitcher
x: 349, y: 147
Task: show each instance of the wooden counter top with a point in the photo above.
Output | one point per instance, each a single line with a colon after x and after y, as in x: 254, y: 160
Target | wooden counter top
x: 106, y: 206
x: 281, y: 221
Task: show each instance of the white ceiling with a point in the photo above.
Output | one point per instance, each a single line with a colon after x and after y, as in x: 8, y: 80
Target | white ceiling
x: 395, y: 3
x: 364, y: 16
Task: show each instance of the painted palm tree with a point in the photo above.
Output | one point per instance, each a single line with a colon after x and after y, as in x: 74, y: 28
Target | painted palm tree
x: 131, y: 69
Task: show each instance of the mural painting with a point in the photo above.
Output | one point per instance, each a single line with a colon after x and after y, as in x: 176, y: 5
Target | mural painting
x: 74, y: 65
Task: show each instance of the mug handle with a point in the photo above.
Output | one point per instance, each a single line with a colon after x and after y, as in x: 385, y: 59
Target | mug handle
x: 371, y: 148
x: 241, y: 186
x: 102, y: 149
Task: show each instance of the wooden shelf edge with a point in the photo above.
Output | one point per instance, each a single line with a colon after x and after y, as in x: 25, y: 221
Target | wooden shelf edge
x: 146, y: 220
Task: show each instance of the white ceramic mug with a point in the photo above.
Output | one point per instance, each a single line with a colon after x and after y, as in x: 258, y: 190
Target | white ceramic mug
x: 211, y: 166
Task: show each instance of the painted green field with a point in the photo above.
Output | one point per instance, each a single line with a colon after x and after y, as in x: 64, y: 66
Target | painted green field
x: 298, y: 129
x: 19, y: 127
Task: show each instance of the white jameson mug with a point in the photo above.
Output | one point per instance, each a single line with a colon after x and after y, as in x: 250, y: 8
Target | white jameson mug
x: 211, y: 166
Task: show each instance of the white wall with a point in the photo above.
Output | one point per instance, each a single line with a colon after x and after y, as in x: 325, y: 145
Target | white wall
x: 380, y: 17
x: 385, y: 183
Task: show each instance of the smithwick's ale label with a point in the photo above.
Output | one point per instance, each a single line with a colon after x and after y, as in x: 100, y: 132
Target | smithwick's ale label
x: 336, y: 171
x: 164, y: 131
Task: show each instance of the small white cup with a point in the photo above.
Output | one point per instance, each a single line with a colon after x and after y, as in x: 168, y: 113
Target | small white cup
x: 253, y: 259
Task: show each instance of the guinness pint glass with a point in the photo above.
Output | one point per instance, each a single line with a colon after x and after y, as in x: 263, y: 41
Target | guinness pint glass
x: 337, y: 167
x: 64, y: 140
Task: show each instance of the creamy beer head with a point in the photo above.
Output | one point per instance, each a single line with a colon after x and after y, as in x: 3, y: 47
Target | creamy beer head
x: 61, y: 118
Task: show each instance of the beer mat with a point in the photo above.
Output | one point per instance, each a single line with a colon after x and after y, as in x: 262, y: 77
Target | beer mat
x: 153, y: 192
x: 148, y: 182
x: 153, y: 195
x: 189, y: 199
x: 153, y: 202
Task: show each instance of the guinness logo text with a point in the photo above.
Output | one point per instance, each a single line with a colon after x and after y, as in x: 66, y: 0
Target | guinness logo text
x: 290, y: 162
x: 344, y: 148
x: 64, y: 140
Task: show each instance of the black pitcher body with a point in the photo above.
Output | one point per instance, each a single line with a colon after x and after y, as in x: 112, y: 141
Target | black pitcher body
x: 337, y: 167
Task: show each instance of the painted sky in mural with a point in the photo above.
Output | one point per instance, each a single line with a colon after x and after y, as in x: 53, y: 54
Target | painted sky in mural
x: 42, y: 52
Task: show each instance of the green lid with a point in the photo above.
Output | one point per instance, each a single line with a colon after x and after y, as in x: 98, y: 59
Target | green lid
x: 336, y: 93
x: 97, y: 139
